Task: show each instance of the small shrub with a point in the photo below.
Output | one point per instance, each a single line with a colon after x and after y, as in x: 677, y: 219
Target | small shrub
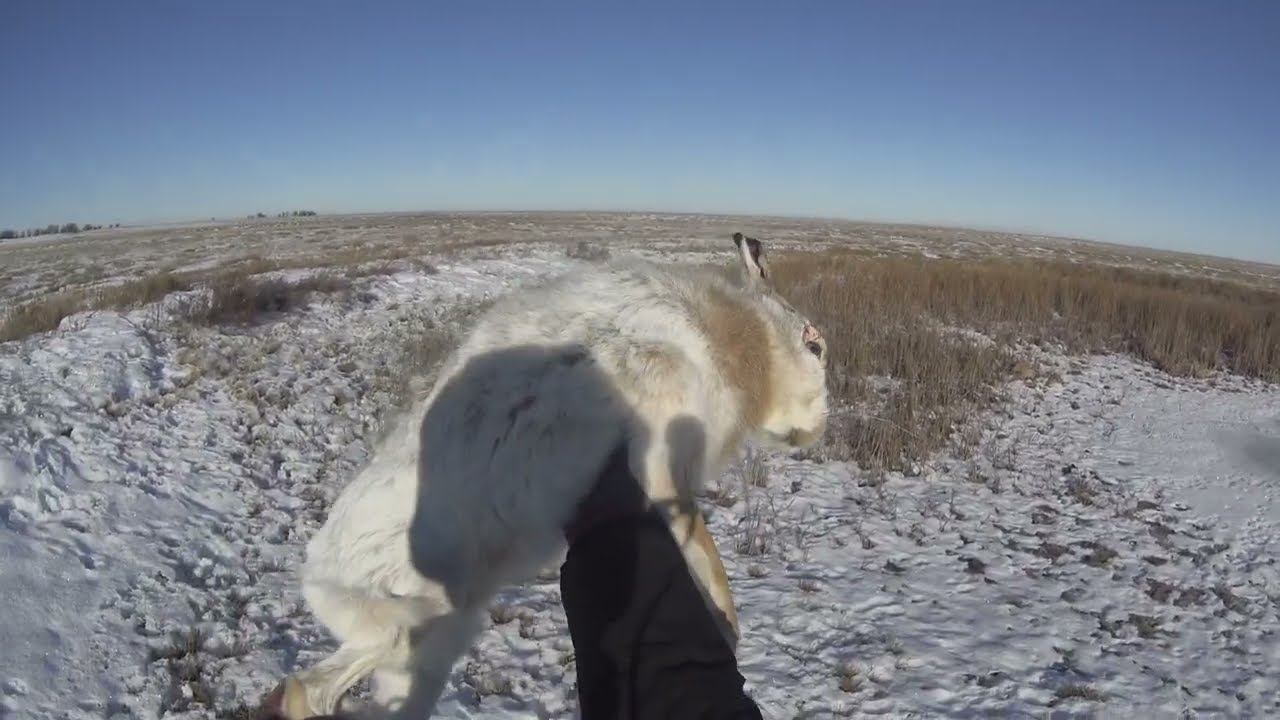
x: 242, y: 299
x: 849, y: 676
x: 487, y: 682
x: 1101, y: 556
x: 722, y: 495
x: 587, y: 252
x: 755, y: 530
x: 185, y: 661
x: 1076, y: 691
x: 503, y: 614
x: 755, y: 473
x: 1082, y: 485
x: 180, y: 645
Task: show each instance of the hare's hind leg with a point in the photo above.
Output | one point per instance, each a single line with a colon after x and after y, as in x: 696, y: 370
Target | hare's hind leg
x: 367, y: 639
x: 700, y: 553
x: 434, y: 648
x: 673, y: 473
x: 319, y: 689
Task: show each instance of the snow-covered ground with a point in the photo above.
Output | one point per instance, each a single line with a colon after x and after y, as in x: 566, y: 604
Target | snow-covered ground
x: 1108, y: 548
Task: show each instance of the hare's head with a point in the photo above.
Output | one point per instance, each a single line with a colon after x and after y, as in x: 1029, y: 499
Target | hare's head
x: 794, y: 411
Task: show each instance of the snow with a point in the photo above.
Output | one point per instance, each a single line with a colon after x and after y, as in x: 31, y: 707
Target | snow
x: 1114, y: 532
x: 959, y: 607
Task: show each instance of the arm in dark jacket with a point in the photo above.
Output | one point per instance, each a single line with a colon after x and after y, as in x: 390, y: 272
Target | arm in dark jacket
x: 645, y: 642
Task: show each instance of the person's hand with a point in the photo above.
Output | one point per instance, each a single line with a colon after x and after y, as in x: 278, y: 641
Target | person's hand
x: 616, y: 495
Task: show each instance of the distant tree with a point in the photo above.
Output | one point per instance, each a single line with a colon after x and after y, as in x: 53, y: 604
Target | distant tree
x: 8, y: 234
x: 71, y: 228
x: 262, y: 215
x: 50, y: 229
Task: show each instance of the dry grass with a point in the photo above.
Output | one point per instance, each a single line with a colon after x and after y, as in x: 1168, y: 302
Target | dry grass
x: 850, y: 677
x: 237, y: 280
x: 186, y: 662
x: 908, y: 367
x: 240, y: 299
x: 235, y: 295
x: 1077, y: 691
x: 40, y: 316
x: 44, y: 315
x: 756, y: 533
x: 588, y: 252
x: 754, y: 471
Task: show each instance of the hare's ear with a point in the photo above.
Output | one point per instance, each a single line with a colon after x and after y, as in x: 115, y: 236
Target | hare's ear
x: 752, y: 252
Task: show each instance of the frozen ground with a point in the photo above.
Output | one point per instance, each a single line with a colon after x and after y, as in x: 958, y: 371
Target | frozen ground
x: 1108, y: 548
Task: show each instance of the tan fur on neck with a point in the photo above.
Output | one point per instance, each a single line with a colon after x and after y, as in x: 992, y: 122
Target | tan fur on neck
x: 742, y: 347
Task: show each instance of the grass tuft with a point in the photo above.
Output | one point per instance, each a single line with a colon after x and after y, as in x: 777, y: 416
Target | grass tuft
x: 242, y: 299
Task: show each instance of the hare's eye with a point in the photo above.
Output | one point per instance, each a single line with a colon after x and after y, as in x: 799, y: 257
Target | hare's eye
x: 815, y: 348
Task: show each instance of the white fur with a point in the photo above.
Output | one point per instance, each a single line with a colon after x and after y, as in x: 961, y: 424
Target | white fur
x: 470, y: 494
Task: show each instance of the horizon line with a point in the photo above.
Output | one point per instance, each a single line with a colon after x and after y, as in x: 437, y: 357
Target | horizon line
x: 199, y: 221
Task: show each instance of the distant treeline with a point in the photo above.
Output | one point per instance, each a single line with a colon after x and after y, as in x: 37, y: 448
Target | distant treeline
x: 54, y: 228
x: 51, y: 229
x: 294, y: 213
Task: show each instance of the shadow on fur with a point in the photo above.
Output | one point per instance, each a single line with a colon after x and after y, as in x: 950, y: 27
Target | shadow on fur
x: 484, y: 414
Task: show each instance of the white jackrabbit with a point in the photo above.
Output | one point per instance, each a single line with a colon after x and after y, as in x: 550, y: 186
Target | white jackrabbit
x: 677, y: 364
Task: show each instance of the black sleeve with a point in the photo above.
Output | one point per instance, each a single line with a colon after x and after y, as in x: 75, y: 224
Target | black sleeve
x: 646, y: 644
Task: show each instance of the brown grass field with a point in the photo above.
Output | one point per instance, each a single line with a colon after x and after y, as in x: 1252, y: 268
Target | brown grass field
x: 947, y: 332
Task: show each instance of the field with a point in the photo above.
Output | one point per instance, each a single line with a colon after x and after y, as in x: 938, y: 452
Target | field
x: 1049, y: 488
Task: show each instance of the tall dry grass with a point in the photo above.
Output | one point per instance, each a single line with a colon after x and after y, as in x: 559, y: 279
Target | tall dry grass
x: 46, y: 313
x: 909, y: 368
x: 233, y: 296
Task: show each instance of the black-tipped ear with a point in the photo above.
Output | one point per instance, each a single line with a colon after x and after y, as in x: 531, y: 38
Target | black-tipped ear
x: 752, y: 252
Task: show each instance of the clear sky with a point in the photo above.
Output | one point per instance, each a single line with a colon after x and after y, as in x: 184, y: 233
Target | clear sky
x: 1153, y: 123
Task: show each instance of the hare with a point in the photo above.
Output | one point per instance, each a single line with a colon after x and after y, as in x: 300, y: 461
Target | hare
x: 677, y: 365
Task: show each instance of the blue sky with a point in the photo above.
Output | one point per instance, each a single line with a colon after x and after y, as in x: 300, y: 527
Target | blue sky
x: 1152, y: 123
